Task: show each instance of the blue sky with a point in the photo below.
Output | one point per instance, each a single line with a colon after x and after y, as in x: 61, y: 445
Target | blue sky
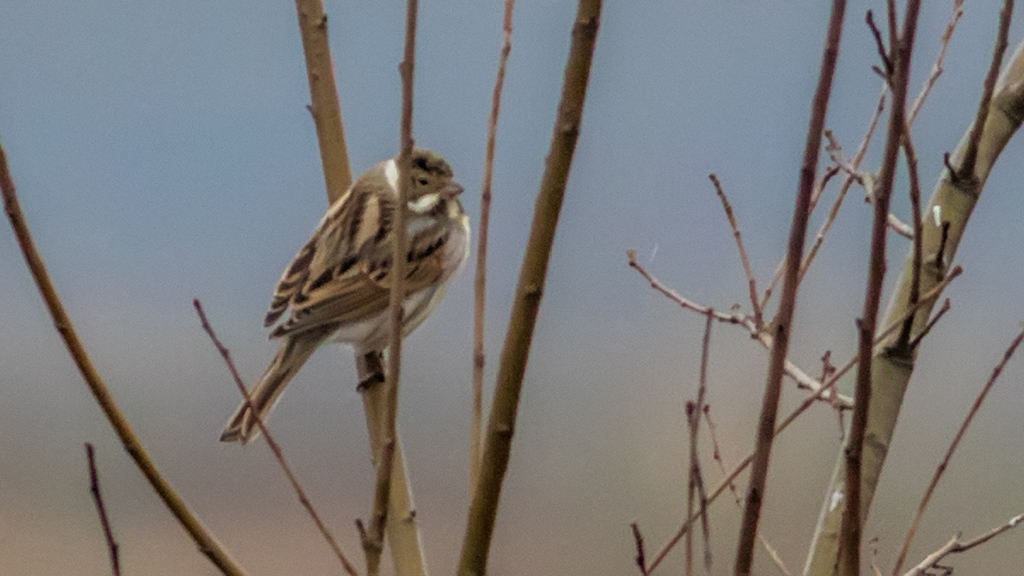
x: 162, y: 152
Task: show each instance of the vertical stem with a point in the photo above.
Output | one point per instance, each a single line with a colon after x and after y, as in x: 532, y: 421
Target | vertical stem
x: 782, y: 326
x: 324, y: 105
x: 480, y: 281
x: 400, y: 249
x: 850, y: 535
x: 501, y: 426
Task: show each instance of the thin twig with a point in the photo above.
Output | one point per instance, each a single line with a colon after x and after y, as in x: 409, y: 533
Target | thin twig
x: 772, y: 552
x: 931, y: 323
x: 941, y: 469
x: 782, y: 325
x: 915, y: 211
x: 802, y: 379
x: 695, y: 482
x: 847, y: 182
x: 974, y: 138
x: 101, y: 509
x: 638, y: 539
x: 879, y: 44
x: 751, y: 281
x: 947, y: 34
x: 324, y: 106
x: 807, y: 403
x: 526, y: 304
x: 373, y: 544
x: 850, y: 534
x: 954, y: 546
x: 206, y: 543
x: 480, y: 281
x: 274, y: 446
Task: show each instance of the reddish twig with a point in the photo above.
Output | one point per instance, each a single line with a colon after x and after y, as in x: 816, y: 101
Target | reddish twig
x: 954, y: 546
x: 480, y: 280
x: 225, y: 354
x: 695, y: 482
x: 847, y: 182
x: 807, y: 403
x: 917, y: 260
x: 988, y: 88
x: 782, y: 325
x: 373, y: 539
x: 638, y: 539
x: 101, y: 509
x: 947, y: 34
x: 931, y: 323
x: 850, y: 534
x: 751, y: 281
x: 940, y: 470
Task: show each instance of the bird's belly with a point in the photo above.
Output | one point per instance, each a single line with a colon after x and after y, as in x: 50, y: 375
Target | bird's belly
x: 373, y: 333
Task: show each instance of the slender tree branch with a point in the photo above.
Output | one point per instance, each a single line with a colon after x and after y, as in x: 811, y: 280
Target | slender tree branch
x: 850, y: 535
x: 917, y: 254
x: 515, y: 352
x: 188, y: 520
x: 751, y: 281
x: 954, y: 546
x: 717, y: 455
x: 405, y: 546
x: 847, y: 182
x: 225, y: 354
x: 952, y: 201
x: 933, y: 77
x: 401, y: 529
x: 782, y: 325
x: 941, y: 469
x: 826, y: 388
x: 101, y: 509
x: 325, y: 107
x: 638, y: 540
x: 988, y: 89
x: 695, y: 481
x: 931, y: 323
x: 802, y: 379
x: 480, y: 281
x: 373, y: 544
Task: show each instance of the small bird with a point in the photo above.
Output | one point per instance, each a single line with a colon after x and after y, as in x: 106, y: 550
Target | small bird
x: 338, y: 286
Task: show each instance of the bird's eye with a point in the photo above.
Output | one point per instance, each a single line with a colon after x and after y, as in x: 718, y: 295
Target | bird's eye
x: 421, y: 181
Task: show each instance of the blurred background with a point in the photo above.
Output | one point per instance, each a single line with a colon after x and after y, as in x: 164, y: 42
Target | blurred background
x: 163, y: 152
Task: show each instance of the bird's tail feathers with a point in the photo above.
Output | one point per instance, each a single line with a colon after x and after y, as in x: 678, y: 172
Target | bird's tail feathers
x: 290, y: 356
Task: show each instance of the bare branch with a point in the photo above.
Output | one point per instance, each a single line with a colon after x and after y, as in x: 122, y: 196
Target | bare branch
x: 937, y: 67
x: 751, y: 281
x: 954, y: 546
x: 802, y: 379
x: 188, y: 520
x: 915, y: 211
x: 940, y: 470
x: 781, y: 326
x: 834, y: 211
x: 988, y: 88
x: 101, y: 509
x: 526, y: 304
x: 325, y: 108
x: 225, y: 354
x: 807, y: 403
x: 850, y: 534
x: 483, y: 228
x: 638, y: 539
x: 373, y: 545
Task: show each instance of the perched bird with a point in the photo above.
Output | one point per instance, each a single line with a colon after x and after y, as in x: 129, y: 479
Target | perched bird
x: 338, y: 286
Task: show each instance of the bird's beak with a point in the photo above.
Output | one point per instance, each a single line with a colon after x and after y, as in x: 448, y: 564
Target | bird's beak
x: 451, y: 190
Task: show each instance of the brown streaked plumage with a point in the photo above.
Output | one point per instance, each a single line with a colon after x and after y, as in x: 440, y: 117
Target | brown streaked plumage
x: 337, y: 287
